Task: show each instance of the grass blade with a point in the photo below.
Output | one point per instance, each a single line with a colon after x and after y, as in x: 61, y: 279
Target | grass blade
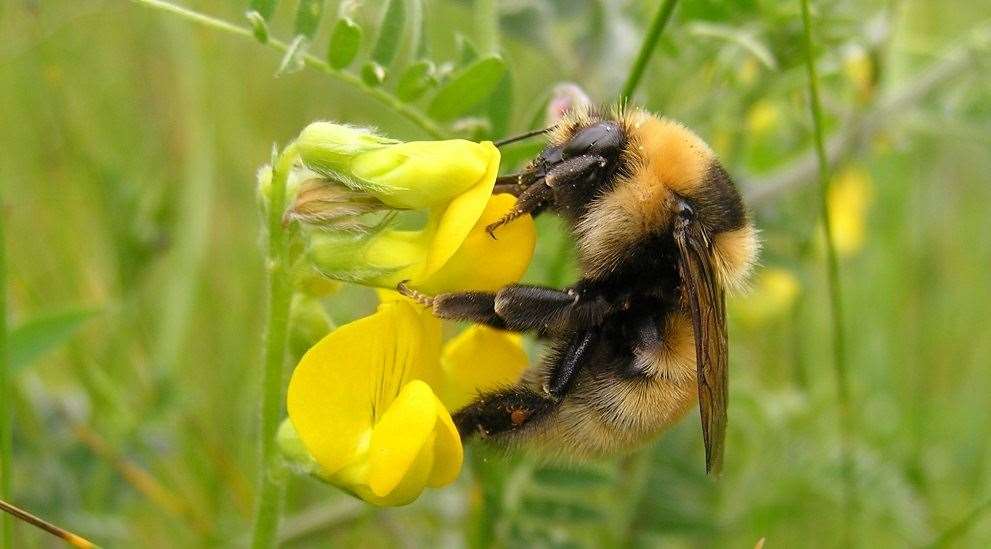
x: 741, y: 38
x: 42, y: 334
x: 660, y: 21
x: 835, y: 293
x: 6, y: 392
x: 65, y: 535
x: 467, y: 88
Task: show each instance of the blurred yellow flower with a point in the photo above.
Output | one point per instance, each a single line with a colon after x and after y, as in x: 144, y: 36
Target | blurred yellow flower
x: 762, y: 118
x: 859, y: 70
x: 849, y: 199
x: 748, y: 71
x: 364, y: 413
x: 773, y: 294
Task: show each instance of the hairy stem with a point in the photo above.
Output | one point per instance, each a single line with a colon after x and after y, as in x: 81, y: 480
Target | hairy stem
x: 835, y: 292
x: 6, y: 395
x: 271, y: 480
x: 660, y: 21
x: 388, y: 100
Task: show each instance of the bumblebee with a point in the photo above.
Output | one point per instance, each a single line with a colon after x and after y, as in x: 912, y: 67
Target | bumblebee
x: 662, y: 233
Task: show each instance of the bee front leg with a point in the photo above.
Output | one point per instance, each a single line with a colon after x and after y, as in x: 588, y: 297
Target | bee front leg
x: 518, y: 307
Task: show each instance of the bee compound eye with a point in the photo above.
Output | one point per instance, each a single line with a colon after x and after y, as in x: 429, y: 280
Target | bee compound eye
x: 602, y: 139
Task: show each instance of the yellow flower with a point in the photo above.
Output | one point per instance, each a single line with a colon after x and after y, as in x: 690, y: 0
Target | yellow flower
x: 849, y: 198
x: 364, y: 413
x: 773, y: 294
x: 361, y: 174
x: 368, y: 404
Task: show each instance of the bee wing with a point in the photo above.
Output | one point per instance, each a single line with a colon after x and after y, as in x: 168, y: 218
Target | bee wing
x: 707, y: 302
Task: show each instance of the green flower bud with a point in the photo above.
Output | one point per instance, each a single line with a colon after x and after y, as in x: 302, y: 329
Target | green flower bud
x: 329, y: 148
x: 308, y: 323
x: 293, y: 451
x: 413, y: 175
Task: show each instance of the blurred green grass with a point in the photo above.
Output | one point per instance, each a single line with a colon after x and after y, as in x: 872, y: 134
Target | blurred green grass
x: 130, y: 141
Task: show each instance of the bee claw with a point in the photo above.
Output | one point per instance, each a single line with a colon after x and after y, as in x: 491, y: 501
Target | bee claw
x: 491, y: 229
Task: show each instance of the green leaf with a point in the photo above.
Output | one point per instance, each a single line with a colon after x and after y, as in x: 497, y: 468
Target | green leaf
x: 467, y: 88
x: 500, y: 107
x: 418, y: 43
x: 259, y: 27
x: 467, y: 52
x: 345, y: 40
x: 372, y: 73
x: 265, y: 7
x: 390, y: 32
x: 44, y: 333
x: 308, y: 17
x: 416, y: 79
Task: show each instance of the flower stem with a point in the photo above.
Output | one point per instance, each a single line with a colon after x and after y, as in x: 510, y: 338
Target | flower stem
x: 660, y: 21
x: 6, y: 390
x: 835, y: 294
x: 487, y: 25
x: 387, y: 99
x: 271, y: 480
x: 490, y: 470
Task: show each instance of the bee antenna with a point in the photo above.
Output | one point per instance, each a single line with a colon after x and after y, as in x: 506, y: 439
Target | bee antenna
x: 523, y: 136
x: 65, y: 535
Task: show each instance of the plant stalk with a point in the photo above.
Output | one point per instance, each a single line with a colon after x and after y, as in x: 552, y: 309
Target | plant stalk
x: 271, y: 480
x: 387, y: 99
x: 835, y: 291
x: 487, y: 25
x: 661, y: 18
x: 6, y: 396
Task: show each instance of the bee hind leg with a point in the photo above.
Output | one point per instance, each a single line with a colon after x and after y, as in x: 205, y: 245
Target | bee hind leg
x: 501, y: 412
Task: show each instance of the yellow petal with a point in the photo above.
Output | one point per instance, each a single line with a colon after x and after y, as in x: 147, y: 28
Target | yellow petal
x: 480, y: 359
x: 448, y: 452
x: 421, y: 174
x: 450, y: 224
x: 484, y: 263
x: 404, y: 430
x: 349, y: 376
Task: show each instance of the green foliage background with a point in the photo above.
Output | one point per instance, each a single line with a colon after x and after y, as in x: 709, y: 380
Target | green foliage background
x: 130, y: 139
